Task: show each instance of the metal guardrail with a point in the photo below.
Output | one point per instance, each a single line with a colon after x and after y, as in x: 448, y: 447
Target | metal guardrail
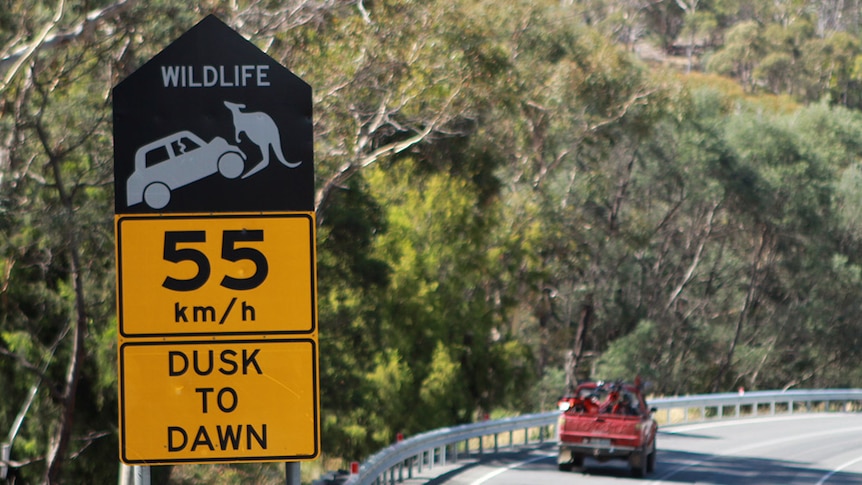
x: 396, y: 463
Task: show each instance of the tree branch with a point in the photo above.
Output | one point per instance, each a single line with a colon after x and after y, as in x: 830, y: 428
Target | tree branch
x: 689, y: 274
x: 10, y: 63
x: 28, y: 50
x: 348, y: 169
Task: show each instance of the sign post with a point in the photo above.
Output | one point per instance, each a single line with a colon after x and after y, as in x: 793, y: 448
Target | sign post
x: 216, y: 257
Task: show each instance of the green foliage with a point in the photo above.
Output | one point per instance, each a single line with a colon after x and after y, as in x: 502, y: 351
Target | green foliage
x: 392, y: 378
x: 631, y: 355
x: 548, y: 390
x: 443, y: 392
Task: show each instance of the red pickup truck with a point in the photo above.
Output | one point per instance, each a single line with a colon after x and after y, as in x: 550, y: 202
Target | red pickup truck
x: 607, y: 421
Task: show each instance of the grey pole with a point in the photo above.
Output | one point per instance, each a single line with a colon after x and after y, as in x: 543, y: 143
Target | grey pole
x: 134, y: 475
x: 291, y: 473
x: 142, y: 475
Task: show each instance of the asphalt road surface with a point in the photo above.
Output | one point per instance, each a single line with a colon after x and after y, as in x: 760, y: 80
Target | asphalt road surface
x: 815, y: 449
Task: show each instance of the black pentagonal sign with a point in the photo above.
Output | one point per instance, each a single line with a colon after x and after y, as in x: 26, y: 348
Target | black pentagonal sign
x: 212, y: 124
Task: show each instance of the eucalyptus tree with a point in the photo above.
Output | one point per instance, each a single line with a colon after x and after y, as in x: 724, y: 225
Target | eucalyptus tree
x: 58, y: 62
x: 740, y: 54
x: 400, y: 87
x: 819, y: 287
x: 571, y: 139
x: 779, y: 70
x: 677, y: 218
x: 57, y: 255
x: 831, y: 68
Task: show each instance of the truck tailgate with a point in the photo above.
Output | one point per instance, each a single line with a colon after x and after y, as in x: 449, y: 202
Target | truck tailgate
x: 623, y: 430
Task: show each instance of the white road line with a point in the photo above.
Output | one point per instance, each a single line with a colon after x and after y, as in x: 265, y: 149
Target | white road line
x: 500, y: 471
x: 761, y: 444
x: 685, y: 428
x: 833, y: 472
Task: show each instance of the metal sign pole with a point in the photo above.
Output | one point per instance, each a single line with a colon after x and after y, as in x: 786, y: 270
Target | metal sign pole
x: 142, y: 475
x: 134, y: 475
x: 291, y: 473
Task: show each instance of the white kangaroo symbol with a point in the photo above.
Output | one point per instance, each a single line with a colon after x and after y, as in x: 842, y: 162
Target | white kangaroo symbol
x: 261, y: 130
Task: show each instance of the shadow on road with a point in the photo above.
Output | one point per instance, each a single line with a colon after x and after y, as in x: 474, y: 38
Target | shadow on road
x: 678, y: 467
x: 687, y: 435
x: 682, y: 467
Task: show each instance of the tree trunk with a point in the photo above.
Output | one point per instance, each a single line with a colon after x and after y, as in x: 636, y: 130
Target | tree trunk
x: 60, y: 441
x: 573, y: 357
x: 750, y: 299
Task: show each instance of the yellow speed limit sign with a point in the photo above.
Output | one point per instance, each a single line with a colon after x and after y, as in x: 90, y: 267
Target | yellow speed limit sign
x: 222, y: 274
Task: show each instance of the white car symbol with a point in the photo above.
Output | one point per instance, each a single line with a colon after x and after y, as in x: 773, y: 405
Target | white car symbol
x: 178, y: 160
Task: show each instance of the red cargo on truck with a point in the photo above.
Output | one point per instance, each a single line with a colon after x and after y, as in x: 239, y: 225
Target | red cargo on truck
x: 607, y: 421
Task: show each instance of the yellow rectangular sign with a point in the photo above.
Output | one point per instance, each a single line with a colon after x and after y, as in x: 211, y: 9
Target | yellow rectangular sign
x: 219, y: 401
x: 222, y: 274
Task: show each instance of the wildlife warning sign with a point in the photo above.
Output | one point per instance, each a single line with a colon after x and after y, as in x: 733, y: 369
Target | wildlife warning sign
x: 216, y: 259
x: 212, y: 124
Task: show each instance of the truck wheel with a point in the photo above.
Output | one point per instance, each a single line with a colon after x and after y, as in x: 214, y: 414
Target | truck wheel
x: 638, y: 464
x: 565, y: 467
x: 578, y: 461
x: 650, y: 466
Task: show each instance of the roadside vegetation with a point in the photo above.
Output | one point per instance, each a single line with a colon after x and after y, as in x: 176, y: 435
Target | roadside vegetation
x: 508, y: 199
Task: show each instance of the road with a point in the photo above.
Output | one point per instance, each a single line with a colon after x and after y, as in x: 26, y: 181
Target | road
x: 816, y: 449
